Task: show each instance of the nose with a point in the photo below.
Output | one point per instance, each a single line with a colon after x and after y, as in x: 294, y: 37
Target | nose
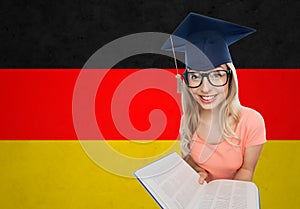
x: 205, y: 86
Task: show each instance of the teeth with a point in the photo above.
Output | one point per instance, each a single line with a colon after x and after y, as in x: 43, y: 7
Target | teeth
x: 207, y: 97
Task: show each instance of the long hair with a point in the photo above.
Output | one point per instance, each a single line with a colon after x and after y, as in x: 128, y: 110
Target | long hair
x: 191, y: 118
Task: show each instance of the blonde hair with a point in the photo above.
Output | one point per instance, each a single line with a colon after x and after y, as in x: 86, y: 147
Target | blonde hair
x: 190, y: 118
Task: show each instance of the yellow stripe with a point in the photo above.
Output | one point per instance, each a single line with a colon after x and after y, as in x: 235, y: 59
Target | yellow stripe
x: 277, y: 174
x: 59, y: 174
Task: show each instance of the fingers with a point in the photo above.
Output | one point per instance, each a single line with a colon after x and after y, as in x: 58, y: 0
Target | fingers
x: 203, y: 175
x: 202, y: 172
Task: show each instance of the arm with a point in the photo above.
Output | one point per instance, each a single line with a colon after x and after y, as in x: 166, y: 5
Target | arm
x: 245, y: 173
x: 202, y: 172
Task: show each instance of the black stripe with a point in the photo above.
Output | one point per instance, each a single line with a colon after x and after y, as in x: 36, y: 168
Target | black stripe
x: 64, y: 34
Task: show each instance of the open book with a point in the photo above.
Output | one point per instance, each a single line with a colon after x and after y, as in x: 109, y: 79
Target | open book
x: 174, y: 184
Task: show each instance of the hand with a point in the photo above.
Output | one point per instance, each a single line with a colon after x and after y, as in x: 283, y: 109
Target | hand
x: 202, y: 173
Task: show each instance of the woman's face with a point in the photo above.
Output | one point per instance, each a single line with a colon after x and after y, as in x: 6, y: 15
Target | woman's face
x: 207, y: 95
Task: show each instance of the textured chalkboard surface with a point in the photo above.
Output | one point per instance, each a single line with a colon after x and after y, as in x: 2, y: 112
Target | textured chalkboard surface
x: 64, y: 34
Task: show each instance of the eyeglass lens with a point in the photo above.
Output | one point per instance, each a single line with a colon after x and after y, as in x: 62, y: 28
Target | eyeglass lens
x: 215, y: 78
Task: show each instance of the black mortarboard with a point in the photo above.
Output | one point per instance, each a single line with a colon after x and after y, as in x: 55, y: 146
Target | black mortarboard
x: 205, y: 40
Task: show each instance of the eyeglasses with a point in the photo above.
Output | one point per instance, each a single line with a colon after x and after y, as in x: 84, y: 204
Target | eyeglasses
x: 216, y: 78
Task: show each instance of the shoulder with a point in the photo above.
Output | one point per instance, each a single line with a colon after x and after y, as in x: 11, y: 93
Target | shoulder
x: 250, y: 115
x: 251, y: 127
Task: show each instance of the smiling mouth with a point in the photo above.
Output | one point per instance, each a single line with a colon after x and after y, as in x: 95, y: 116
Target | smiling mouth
x: 208, y: 99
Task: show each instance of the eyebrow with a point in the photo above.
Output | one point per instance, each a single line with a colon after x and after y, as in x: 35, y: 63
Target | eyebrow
x: 199, y: 71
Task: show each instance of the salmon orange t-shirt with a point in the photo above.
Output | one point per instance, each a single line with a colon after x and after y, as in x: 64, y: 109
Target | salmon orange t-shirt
x: 224, y: 159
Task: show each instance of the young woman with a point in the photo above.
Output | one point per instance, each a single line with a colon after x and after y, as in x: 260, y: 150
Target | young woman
x: 220, y: 138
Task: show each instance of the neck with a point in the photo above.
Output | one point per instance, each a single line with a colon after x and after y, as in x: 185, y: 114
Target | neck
x: 209, y: 128
x: 210, y: 116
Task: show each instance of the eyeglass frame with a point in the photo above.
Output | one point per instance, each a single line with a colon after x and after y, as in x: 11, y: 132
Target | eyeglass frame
x: 203, y: 75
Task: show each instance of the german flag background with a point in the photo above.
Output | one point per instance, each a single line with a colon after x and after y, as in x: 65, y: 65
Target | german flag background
x: 71, y: 137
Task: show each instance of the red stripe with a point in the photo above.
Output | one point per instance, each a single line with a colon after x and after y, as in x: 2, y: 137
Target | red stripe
x: 37, y: 103
x: 274, y: 93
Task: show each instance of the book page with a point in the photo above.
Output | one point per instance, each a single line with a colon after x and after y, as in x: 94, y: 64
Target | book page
x: 244, y: 195
x: 175, y: 185
x: 223, y: 194
x: 172, y: 181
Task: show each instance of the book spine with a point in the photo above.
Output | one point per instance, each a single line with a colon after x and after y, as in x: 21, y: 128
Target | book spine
x: 150, y: 193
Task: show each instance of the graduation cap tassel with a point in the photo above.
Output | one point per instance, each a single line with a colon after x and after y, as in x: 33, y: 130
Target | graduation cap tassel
x: 178, y: 77
x: 179, y: 83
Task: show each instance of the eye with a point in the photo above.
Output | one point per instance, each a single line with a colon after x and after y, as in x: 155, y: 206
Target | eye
x: 194, y: 76
x: 217, y: 74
